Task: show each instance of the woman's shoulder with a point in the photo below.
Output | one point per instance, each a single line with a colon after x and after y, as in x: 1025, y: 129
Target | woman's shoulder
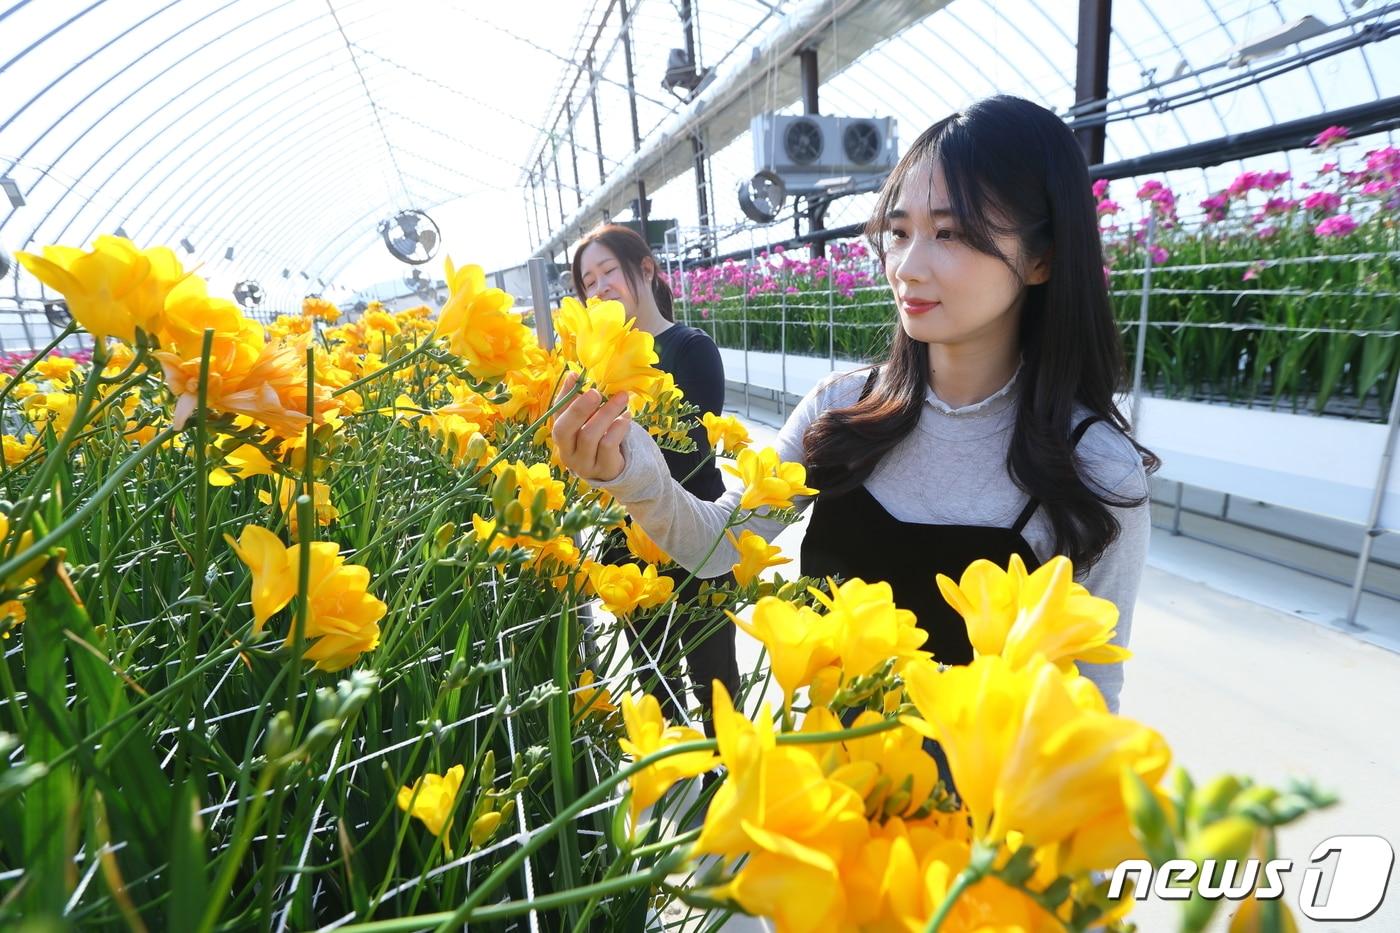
x: 1110, y: 458
x: 840, y: 389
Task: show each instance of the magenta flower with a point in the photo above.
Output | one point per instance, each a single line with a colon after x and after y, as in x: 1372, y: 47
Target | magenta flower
x: 1252, y: 272
x: 1159, y: 255
x: 1107, y: 208
x: 1216, y: 206
x: 1337, y: 226
x: 1329, y: 137
x: 1243, y: 184
x: 1324, y: 201
x: 1271, y: 181
x: 1267, y: 233
x: 1100, y: 187
x: 1377, y: 187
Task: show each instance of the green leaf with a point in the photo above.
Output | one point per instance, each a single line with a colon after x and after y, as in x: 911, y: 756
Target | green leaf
x: 1149, y: 821
x: 189, y: 879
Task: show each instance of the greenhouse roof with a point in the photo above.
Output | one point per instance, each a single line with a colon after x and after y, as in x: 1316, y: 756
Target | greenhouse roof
x: 267, y: 138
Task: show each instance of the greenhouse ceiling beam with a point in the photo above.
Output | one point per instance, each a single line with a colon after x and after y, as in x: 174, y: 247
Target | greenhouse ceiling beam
x: 765, y: 77
x: 1091, y: 72
x: 1363, y: 119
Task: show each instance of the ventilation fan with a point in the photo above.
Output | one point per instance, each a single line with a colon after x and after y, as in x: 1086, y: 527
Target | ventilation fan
x: 411, y: 236
x: 248, y: 294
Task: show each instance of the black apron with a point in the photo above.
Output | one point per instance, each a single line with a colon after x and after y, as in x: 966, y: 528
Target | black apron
x: 852, y: 535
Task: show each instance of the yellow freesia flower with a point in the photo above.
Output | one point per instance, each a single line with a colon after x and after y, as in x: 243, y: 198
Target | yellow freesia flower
x: 342, y: 619
x: 56, y: 369
x: 112, y: 290
x: 484, y: 828
x: 480, y: 326
x: 642, y: 546
x: 869, y: 627
x: 242, y: 462
x: 1019, y: 615
x: 320, y: 309
x: 768, y: 482
x: 21, y: 576
x: 190, y: 311
x: 433, y: 799
x: 16, y: 450
x: 55, y: 408
x: 799, y: 641
x: 755, y: 556
x: 272, y: 391
x: 531, y: 478
x: 1031, y: 750
x: 625, y: 588
x: 286, y: 487
x: 725, y: 431
x: 590, y: 700
x: 648, y: 732
x: 615, y: 356
x: 570, y: 319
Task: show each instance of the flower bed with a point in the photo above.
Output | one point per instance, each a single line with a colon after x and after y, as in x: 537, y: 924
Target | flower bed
x: 294, y: 640
x: 1282, y: 293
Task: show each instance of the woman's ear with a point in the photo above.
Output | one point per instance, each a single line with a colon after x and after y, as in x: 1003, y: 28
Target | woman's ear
x: 1039, y: 272
x: 648, y: 270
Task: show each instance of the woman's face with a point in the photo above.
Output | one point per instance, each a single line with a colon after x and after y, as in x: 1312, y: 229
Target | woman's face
x: 603, y: 277
x: 946, y: 291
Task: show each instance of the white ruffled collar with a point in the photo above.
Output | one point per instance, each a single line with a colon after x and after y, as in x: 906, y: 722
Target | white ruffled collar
x: 997, y: 401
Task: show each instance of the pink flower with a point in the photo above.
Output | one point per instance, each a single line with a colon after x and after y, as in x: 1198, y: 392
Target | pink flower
x: 1329, y: 137
x: 1216, y: 206
x: 1252, y: 272
x: 1270, y: 181
x: 1100, y: 187
x: 1324, y: 201
x: 1267, y: 233
x: 1337, y: 226
x: 1377, y: 187
x: 1159, y: 255
x: 1244, y: 184
x: 1108, y: 207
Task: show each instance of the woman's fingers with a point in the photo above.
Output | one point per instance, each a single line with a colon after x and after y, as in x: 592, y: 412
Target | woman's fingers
x: 568, y: 422
x: 591, y: 433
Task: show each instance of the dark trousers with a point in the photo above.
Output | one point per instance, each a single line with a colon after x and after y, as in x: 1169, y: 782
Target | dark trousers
x: 702, y: 635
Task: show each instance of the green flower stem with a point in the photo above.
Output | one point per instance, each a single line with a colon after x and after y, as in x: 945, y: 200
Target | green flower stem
x: 396, y: 365
x: 58, y: 457
x: 507, y: 868
x: 82, y: 512
x: 24, y: 370
x: 471, y: 481
x: 233, y: 859
x: 977, y: 869
x: 200, y: 556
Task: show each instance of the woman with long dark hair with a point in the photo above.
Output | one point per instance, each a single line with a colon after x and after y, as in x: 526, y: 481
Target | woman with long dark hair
x: 613, y: 262
x: 989, y: 430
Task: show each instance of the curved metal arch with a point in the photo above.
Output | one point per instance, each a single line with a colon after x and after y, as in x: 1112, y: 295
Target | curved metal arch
x: 270, y: 192
x: 102, y: 48
x: 353, y: 227
x: 231, y: 229
x: 204, y: 78
x: 157, y: 184
x: 227, y: 173
x: 45, y: 38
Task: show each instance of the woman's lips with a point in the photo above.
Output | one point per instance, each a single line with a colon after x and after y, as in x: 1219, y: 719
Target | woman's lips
x: 912, y: 306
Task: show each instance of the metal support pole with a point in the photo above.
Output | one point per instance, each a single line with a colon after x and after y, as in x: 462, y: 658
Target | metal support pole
x: 539, y: 297
x: 782, y: 353
x: 559, y: 186
x: 641, y: 212
x: 597, y: 124
x: 807, y: 61
x: 544, y: 196
x: 701, y: 201
x: 1225, y: 508
x: 573, y: 150
x: 1373, y: 529
x: 1141, y: 349
x: 1091, y: 73
x: 535, y: 209
x: 1176, y: 510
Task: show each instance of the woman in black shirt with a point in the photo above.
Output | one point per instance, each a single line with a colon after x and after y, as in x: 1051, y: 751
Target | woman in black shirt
x: 614, y: 263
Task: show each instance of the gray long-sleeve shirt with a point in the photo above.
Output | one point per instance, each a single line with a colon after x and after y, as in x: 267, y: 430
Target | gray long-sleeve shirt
x: 951, y: 469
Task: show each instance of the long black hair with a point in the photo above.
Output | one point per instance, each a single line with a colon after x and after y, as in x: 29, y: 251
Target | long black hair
x: 630, y: 249
x: 1012, y: 168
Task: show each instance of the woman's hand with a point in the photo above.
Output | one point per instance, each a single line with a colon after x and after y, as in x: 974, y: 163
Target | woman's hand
x: 589, y: 433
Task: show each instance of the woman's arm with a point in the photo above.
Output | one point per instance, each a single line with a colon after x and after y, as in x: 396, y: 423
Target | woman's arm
x: 685, y: 527
x: 1116, y: 577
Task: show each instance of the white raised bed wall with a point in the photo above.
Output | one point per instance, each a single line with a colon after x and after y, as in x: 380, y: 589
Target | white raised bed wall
x: 1326, y: 466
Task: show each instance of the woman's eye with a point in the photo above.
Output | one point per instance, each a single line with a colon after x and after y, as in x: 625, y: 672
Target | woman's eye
x: 897, y: 233
x: 945, y: 235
